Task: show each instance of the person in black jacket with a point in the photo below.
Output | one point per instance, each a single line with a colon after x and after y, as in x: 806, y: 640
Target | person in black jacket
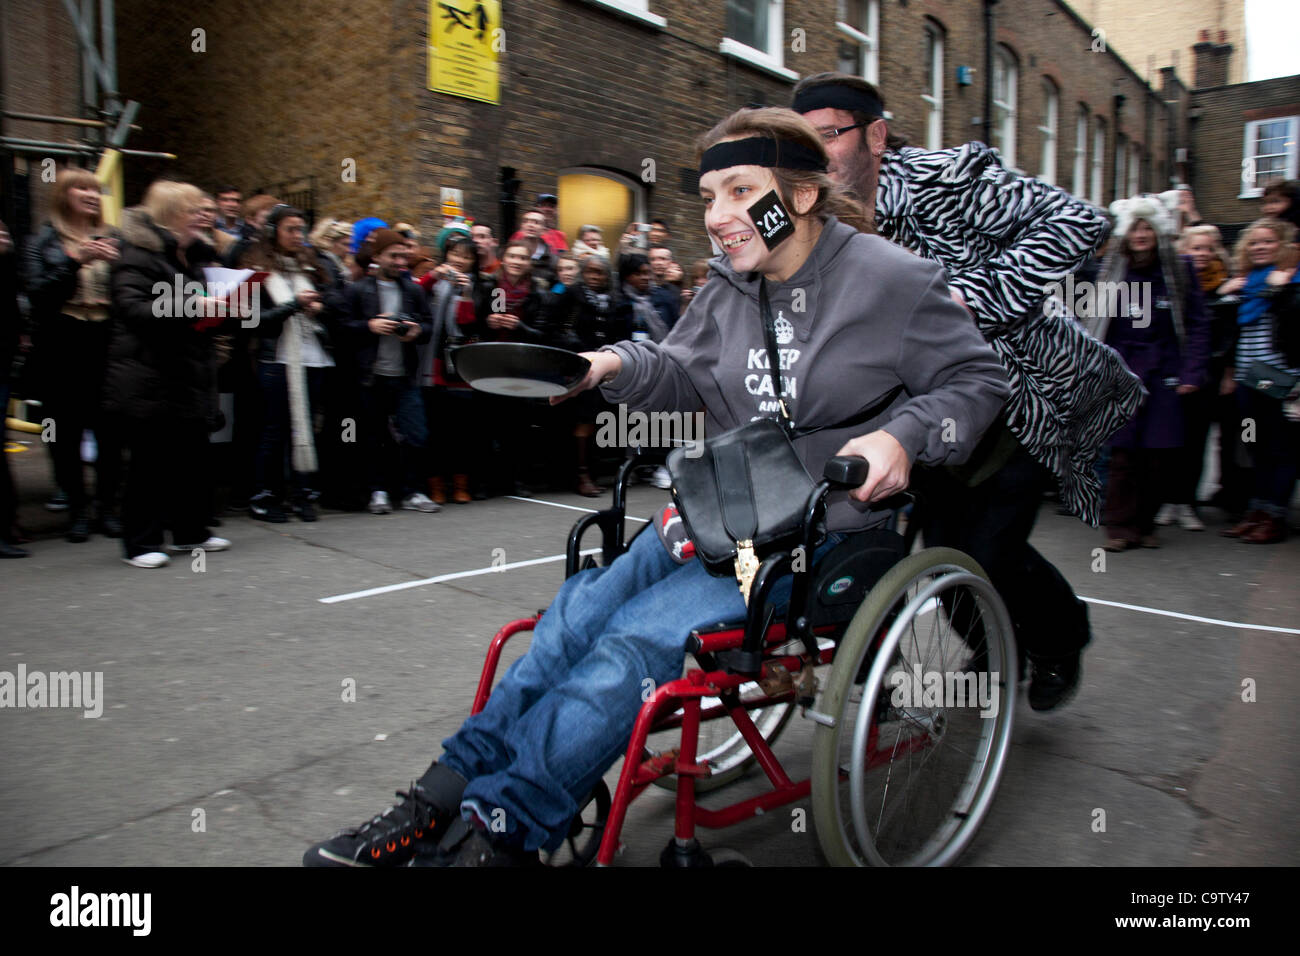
x: 160, y: 379
x: 68, y: 264
x: 388, y: 316
x: 293, y: 344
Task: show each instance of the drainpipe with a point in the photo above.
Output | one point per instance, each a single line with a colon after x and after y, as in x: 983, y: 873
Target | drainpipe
x: 987, y: 124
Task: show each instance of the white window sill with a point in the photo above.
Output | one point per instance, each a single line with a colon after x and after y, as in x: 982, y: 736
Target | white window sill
x: 632, y: 13
x: 1250, y: 194
x: 755, y: 58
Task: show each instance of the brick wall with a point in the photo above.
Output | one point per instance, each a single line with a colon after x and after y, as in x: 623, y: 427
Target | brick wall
x: 1163, y: 34
x: 1218, y: 128
x: 287, y: 92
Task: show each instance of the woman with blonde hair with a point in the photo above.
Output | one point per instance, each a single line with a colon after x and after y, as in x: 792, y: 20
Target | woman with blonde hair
x: 1266, y: 354
x: 68, y: 265
x: 161, y: 375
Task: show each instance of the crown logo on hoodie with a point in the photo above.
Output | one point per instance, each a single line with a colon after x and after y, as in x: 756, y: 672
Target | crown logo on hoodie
x: 784, y: 329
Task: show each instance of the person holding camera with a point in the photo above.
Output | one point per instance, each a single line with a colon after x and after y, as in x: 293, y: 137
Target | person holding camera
x: 388, y: 315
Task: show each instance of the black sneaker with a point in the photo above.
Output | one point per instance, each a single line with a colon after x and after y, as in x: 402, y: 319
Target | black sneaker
x: 305, y: 510
x: 79, y: 530
x: 468, y: 843
x: 267, y: 507
x: 108, y: 525
x: 390, y: 839
x: 1054, y: 681
x: 57, y: 502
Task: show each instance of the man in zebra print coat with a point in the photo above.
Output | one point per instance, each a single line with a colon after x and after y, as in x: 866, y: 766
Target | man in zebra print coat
x: 1004, y: 241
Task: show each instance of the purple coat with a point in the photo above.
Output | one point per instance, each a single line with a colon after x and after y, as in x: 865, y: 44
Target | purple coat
x: 1153, y: 352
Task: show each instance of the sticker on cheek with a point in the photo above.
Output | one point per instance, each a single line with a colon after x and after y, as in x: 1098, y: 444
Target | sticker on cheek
x: 772, y: 220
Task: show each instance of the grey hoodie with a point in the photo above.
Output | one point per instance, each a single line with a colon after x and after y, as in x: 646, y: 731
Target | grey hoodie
x: 859, y: 317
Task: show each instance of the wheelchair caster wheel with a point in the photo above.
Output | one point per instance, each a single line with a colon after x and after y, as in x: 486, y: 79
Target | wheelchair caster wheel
x: 684, y: 856
x: 582, y: 843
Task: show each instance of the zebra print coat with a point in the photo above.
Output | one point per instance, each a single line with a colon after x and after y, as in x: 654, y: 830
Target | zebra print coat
x: 1004, y: 239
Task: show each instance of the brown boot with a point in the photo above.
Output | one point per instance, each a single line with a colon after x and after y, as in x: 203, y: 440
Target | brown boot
x: 437, y: 490
x: 1269, y: 531
x: 586, y: 487
x: 1247, y: 524
x: 461, y: 495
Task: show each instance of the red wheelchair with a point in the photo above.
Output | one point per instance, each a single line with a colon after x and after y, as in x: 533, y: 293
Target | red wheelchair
x: 904, y: 661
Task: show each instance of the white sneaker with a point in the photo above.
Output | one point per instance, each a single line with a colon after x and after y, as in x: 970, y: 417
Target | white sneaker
x: 661, y: 478
x: 152, y: 559
x: 212, y: 544
x: 419, y: 502
x: 1166, y: 514
x: 379, y: 503
x: 1187, y: 519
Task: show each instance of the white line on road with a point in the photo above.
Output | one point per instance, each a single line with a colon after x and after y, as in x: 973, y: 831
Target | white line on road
x: 556, y: 504
x: 387, y: 588
x: 1192, y: 617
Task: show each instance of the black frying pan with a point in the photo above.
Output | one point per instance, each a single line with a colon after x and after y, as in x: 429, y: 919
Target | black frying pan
x: 518, y: 369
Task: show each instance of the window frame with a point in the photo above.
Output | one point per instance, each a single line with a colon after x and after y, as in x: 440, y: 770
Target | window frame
x: 933, y: 98
x: 1080, y: 175
x: 773, y: 63
x: 1047, y: 129
x: 1134, y: 169
x: 638, y: 10
x: 868, y: 42
x: 1004, y: 125
x: 1120, y: 163
x: 1098, y: 179
x: 1248, y: 154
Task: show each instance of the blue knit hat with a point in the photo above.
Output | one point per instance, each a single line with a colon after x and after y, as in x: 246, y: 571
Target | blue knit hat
x: 363, y: 228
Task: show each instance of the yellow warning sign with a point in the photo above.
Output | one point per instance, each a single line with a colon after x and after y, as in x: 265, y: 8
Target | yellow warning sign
x: 465, y: 43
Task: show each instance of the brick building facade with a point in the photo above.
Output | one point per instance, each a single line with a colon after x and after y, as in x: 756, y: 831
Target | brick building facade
x: 601, y: 100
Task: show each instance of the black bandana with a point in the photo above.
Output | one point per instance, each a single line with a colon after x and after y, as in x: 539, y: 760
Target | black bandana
x: 837, y: 96
x: 761, y: 151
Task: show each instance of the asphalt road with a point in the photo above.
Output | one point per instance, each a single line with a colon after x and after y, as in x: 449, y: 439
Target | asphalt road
x: 223, y: 694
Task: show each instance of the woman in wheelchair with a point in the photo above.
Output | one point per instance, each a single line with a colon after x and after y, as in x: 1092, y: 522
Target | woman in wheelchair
x: 856, y: 320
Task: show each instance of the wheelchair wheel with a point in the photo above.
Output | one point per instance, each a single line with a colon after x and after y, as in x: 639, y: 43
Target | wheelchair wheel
x: 721, y: 743
x: 922, y: 694
x: 582, y: 843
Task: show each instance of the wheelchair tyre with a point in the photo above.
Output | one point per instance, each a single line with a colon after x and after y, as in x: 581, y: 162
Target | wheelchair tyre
x: 582, y: 843
x: 893, y: 783
x: 721, y: 743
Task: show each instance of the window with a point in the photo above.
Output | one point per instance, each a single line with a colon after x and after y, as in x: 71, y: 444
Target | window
x: 755, y: 35
x: 1047, y: 132
x: 933, y: 94
x: 1269, y: 155
x: 1134, y: 169
x: 1004, y: 105
x: 858, y: 22
x: 1098, y: 163
x: 1121, y: 154
x: 1081, y: 153
x: 638, y: 10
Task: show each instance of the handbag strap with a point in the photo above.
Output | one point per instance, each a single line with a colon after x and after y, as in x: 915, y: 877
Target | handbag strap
x: 735, y: 495
x: 774, y: 360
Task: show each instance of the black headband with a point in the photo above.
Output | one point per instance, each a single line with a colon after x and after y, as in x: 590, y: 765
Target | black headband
x: 761, y: 151
x: 837, y: 96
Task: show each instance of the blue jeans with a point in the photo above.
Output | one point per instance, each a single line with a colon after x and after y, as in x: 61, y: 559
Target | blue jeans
x: 563, y: 713
x: 393, y: 464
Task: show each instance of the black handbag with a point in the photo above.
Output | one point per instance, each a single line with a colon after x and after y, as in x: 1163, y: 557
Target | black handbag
x: 743, y: 497
x: 1269, y: 380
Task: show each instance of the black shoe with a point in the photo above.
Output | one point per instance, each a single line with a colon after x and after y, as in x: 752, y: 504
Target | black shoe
x: 58, y: 502
x: 267, y: 507
x: 8, y: 550
x: 1054, y: 681
x: 390, y: 839
x: 305, y: 510
x: 468, y: 843
x: 393, y: 837
x: 108, y: 526
x: 79, y: 530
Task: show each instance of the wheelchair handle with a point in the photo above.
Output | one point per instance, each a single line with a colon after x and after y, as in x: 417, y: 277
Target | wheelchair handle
x: 846, y: 471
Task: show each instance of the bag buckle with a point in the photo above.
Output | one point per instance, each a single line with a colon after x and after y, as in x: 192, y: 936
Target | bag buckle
x: 746, y: 567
